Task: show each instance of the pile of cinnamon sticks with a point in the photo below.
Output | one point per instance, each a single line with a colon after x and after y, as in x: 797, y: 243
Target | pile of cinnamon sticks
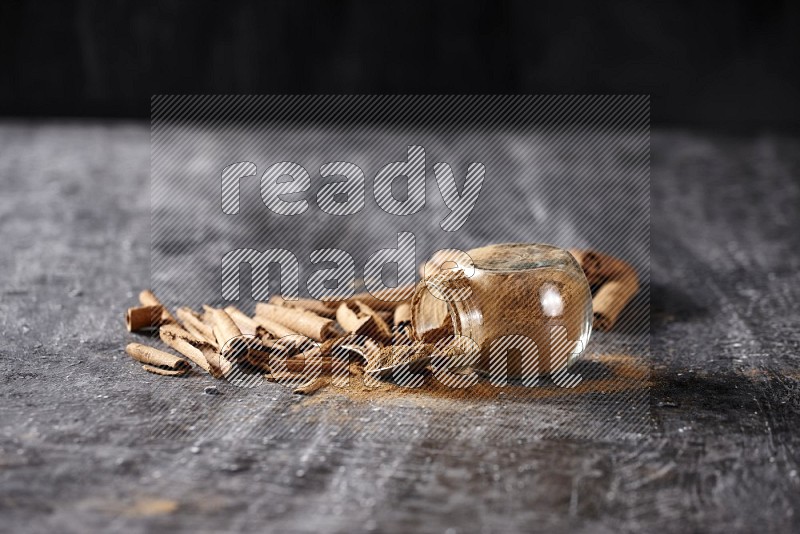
x: 292, y: 340
x: 284, y: 340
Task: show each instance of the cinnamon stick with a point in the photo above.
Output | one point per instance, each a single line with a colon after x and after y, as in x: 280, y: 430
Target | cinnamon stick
x: 617, y: 281
x: 600, y: 267
x: 183, y: 342
x: 402, y: 314
x: 144, y: 317
x: 259, y: 357
x: 156, y: 358
x: 164, y: 372
x: 312, y: 386
x: 360, y: 319
x: 611, y: 299
x: 275, y: 329
x: 148, y: 298
x: 219, y: 363
x: 247, y: 325
x: 193, y: 324
x: 176, y: 331
x: 232, y: 345
x: 302, y: 321
x: 307, y: 362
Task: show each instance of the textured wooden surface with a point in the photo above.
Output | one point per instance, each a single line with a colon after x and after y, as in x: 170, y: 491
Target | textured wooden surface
x: 80, y: 450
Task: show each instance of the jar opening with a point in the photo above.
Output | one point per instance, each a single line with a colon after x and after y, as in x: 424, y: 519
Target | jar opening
x: 444, y: 303
x: 433, y: 313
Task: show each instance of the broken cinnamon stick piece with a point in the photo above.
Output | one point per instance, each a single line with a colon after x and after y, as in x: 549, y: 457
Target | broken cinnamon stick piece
x: 382, y: 331
x: 302, y: 321
x: 176, y: 331
x: 307, y: 363
x: 312, y: 386
x: 232, y: 344
x: 600, y: 267
x: 164, y: 372
x: 193, y: 324
x: 402, y: 314
x: 148, y: 298
x: 401, y: 325
x: 177, y: 339
x: 358, y: 318
x: 348, y: 318
x: 143, y: 317
x: 156, y: 358
x: 617, y: 281
x: 259, y: 356
x: 220, y: 365
x: 277, y: 330
x: 611, y: 299
x: 247, y: 325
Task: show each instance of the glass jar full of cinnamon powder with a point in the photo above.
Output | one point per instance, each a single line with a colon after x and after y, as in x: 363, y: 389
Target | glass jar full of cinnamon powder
x: 527, y: 307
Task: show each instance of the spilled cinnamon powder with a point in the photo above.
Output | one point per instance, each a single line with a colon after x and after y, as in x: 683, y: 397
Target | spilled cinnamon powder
x: 601, y: 374
x: 518, y: 291
x: 530, y: 291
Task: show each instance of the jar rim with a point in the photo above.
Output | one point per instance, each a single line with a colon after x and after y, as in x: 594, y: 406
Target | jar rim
x: 509, y: 257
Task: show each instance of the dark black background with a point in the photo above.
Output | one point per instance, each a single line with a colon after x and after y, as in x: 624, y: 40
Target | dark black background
x: 728, y: 64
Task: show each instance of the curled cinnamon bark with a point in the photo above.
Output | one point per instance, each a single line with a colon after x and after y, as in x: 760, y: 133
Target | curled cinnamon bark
x: 611, y: 299
x: 233, y: 346
x: 192, y: 323
x: 358, y: 318
x: 183, y: 342
x: 600, y: 267
x: 163, y: 372
x: 312, y: 386
x: 616, y: 282
x: 143, y: 317
x: 148, y: 298
x: 156, y: 358
x: 247, y: 325
x: 301, y: 321
x: 402, y: 314
x: 275, y: 329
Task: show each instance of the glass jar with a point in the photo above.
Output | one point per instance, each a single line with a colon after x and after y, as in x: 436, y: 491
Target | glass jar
x: 528, y: 307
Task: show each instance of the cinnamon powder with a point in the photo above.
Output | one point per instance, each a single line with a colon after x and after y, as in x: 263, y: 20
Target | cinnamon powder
x: 603, y: 374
